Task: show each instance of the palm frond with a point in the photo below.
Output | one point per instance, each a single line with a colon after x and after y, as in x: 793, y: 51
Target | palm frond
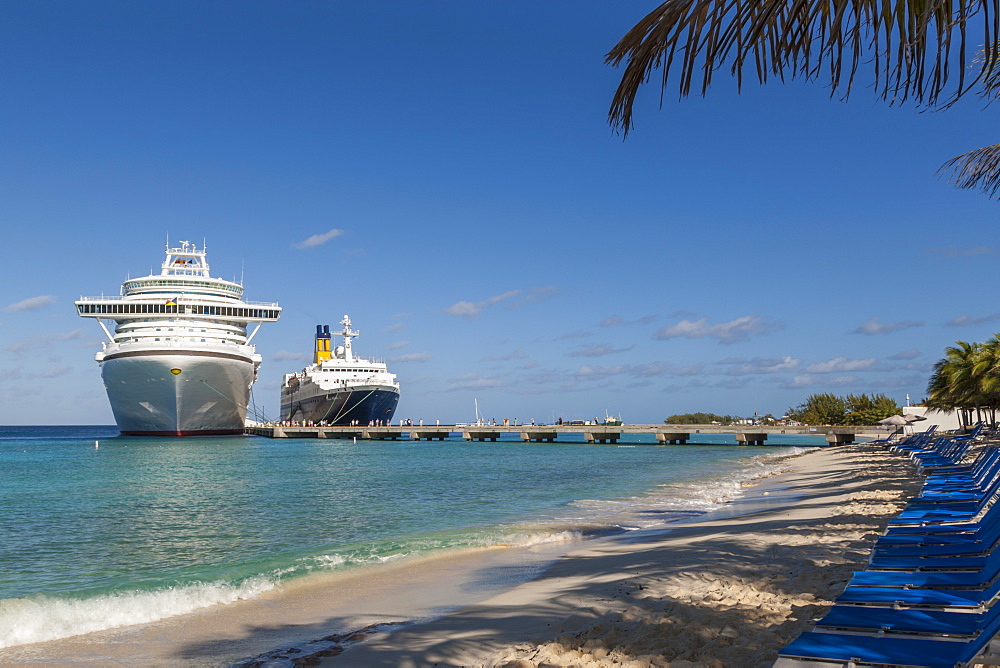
x: 916, y: 49
x: 977, y: 169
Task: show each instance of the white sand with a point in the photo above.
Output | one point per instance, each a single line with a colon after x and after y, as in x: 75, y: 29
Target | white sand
x: 728, y: 591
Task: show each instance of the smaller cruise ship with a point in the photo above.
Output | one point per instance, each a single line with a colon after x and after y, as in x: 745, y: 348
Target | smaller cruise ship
x: 339, y: 388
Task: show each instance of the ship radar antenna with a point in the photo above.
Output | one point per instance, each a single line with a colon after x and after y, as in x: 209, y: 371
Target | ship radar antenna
x: 348, y: 334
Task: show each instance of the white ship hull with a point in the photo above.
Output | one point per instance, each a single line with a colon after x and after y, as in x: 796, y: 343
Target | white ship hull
x: 208, y: 395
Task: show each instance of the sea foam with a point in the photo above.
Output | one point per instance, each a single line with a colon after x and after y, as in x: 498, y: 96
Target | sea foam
x: 42, y: 618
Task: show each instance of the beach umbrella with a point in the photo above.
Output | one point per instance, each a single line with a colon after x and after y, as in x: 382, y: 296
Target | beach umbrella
x: 897, y: 420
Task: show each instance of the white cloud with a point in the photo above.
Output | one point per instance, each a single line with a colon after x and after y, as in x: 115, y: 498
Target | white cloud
x: 740, y: 329
x: 318, y: 239
x: 598, y: 351
x: 516, y: 354
x: 573, y: 335
x: 649, y: 370
x: 411, y: 357
x: 615, y: 320
x: 42, y: 341
x: 398, y: 345
x: 965, y: 319
x: 465, y: 309
x: 759, y: 365
x: 473, y: 382
x: 910, y: 354
x: 7, y: 375
x: 955, y: 251
x: 811, y: 380
x: 54, y: 371
x: 840, y: 365
x: 660, y: 369
x: 285, y: 355
x: 873, y: 326
x: 31, y: 304
x: 537, y: 295
x: 601, y: 371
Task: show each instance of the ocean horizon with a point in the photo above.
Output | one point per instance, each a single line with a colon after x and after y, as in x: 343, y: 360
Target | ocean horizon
x: 102, y: 530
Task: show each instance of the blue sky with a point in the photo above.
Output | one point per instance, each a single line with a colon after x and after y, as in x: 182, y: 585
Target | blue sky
x: 486, y: 230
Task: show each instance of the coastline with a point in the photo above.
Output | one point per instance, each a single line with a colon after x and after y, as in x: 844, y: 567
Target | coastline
x: 570, y: 603
x: 730, y: 588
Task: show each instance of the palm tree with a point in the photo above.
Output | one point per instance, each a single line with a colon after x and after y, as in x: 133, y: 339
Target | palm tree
x: 986, y: 368
x: 915, y: 49
x: 956, y: 383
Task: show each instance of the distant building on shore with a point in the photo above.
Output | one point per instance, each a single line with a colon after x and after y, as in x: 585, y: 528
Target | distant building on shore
x: 945, y: 420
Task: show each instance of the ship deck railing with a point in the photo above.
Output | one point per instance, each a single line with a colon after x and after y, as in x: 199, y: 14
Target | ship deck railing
x: 180, y: 295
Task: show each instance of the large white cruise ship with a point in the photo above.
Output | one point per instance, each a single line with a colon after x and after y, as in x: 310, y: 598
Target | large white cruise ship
x: 339, y: 388
x: 180, y: 362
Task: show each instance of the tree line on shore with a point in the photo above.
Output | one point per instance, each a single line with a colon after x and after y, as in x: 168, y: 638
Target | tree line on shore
x: 850, y: 410
x: 702, y: 418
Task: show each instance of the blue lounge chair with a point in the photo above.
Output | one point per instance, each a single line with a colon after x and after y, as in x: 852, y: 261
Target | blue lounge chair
x: 928, y: 563
x: 912, y: 622
x: 917, y: 441
x: 950, y: 455
x: 980, y: 579
x: 888, y: 650
x: 943, y: 473
x: 976, y: 475
x: 943, y: 514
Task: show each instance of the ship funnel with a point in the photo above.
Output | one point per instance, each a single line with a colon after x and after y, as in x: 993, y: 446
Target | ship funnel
x: 322, y: 351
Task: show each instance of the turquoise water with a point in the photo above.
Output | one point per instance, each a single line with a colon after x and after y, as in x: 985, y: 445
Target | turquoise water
x: 141, y: 529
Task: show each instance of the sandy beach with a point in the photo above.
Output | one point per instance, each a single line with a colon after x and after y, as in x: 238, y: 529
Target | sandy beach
x: 730, y: 589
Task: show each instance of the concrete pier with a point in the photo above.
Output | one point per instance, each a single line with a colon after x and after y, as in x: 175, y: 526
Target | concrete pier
x: 539, y: 436
x: 590, y: 433
x: 673, y: 437
x: 429, y: 434
x: 479, y: 435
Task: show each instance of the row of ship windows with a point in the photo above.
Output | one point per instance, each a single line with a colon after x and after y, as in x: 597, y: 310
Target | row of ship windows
x: 140, y: 324
x: 132, y: 285
x: 146, y: 333
x: 353, y: 370
x: 253, y: 313
x: 176, y: 338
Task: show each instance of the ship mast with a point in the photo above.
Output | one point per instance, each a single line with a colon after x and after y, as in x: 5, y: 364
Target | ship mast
x: 348, y: 334
x: 185, y: 261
